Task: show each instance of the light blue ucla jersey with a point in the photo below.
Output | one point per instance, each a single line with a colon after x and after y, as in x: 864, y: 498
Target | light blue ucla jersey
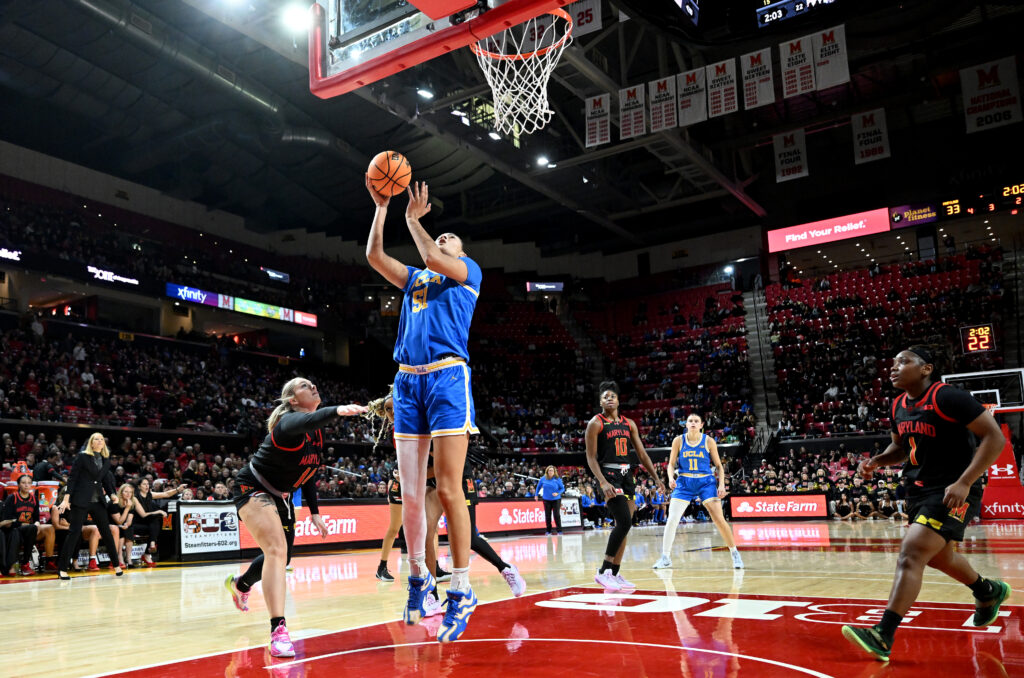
x: 694, y: 460
x: 436, y: 314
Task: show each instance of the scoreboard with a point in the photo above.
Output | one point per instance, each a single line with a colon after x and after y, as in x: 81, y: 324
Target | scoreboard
x: 1007, y: 198
x: 771, y: 12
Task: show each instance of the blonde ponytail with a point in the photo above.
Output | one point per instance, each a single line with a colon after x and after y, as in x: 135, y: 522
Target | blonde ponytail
x: 283, y: 406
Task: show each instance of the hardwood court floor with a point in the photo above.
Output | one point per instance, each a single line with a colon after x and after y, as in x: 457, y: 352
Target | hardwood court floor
x: 779, y: 616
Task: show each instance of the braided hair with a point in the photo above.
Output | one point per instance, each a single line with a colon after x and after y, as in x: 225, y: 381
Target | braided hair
x: 377, y: 409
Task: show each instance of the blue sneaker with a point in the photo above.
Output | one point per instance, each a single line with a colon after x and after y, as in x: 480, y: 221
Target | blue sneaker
x: 460, y: 605
x: 419, y: 587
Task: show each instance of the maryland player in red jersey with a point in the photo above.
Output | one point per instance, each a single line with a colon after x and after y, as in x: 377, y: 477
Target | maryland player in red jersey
x: 614, y: 449
x: 932, y: 424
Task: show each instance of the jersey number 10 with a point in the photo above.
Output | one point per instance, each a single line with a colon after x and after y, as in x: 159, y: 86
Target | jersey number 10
x: 621, y: 447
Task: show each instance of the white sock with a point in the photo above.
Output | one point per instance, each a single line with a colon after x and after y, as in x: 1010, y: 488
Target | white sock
x: 460, y: 579
x: 418, y: 565
x: 734, y: 550
x: 676, y: 509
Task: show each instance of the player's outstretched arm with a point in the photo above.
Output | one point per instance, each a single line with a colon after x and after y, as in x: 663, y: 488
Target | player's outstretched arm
x: 433, y: 257
x: 394, y: 271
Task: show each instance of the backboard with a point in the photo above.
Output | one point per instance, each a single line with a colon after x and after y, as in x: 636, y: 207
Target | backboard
x: 353, y: 43
x: 999, y: 390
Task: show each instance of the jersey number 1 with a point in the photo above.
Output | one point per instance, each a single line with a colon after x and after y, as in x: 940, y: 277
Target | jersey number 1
x: 913, y: 450
x: 621, y: 447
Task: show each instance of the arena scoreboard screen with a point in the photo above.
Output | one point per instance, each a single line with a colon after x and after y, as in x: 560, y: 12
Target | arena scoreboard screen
x: 978, y: 338
x: 771, y: 12
x: 1006, y: 198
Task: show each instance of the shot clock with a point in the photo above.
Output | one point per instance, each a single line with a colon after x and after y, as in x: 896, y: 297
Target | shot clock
x: 978, y: 338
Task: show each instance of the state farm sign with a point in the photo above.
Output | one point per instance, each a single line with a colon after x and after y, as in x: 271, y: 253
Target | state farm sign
x: 779, y: 506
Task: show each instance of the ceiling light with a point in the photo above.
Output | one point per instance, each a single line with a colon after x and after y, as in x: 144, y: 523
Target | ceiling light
x: 585, y: 180
x: 295, y: 18
x: 494, y: 135
x: 542, y: 160
x: 986, y: 221
x: 425, y: 93
x: 728, y: 269
x: 459, y: 114
x: 552, y: 165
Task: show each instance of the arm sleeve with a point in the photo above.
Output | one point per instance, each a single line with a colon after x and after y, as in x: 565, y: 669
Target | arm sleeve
x: 958, y: 404
x: 299, y: 423
x: 35, y: 513
x: 310, y: 496
x: 561, y: 486
x: 76, y: 472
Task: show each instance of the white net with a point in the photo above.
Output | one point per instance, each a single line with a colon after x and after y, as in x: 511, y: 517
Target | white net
x: 517, y: 63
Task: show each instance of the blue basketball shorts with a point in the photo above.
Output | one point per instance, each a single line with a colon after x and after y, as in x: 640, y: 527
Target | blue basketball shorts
x: 700, y: 489
x: 433, y: 400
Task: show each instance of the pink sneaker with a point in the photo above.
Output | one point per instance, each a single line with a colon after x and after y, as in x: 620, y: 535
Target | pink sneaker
x: 625, y: 585
x: 241, y: 599
x: 281, y: 642
x: 608, y: 581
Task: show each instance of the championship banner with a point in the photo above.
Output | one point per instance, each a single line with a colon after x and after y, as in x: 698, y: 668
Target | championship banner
x: 991, y: 95
x: 795, y: 57
x: 598, y: 120
x: 758, y: 83
x: 663, y: 103
x: 207, y: 526
x: 721, y: 79
x: 790, y: 155
x: 831, y: 66
x: 693, y: 100
x: 870, y: 136
x: 632, y: 112
x: 586, y: 17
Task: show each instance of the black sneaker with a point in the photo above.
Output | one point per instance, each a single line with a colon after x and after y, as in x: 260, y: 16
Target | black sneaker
x: 442, y: 575
x: 384, y: 575
x: 987, y: 611
x: 869, y: 640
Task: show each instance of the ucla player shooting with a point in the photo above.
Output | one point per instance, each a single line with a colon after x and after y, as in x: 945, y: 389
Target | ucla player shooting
x: 432, y: 395
x: 691, y: 478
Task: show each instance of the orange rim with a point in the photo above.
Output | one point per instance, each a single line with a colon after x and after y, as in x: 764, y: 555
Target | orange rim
x: 559, y: 13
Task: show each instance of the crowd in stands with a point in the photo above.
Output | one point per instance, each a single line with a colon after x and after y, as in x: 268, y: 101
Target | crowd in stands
x: 834, y: 338
x: 103, y: 379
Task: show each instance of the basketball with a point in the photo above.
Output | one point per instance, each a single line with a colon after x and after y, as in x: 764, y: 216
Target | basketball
x: 389, y: 173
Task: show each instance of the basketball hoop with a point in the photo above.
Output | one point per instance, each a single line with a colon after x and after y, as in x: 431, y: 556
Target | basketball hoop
x: 517, y: 63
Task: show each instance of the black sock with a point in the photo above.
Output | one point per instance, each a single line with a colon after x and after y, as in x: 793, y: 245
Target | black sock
x: 274, y: 622
x: 982, y: 588
x: 615, y: 569
x: 887, y: 627
x: 383, y: 565
x: 241, y: 585
x: 607, y: 565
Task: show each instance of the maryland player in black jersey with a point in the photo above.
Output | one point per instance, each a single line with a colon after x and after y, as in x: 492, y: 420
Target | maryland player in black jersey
x: 614, y: 449
x: 287, y: 459
x: 932, y: 424
x: 20, y: 527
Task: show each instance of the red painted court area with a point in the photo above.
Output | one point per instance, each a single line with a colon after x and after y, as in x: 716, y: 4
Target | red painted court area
x: 586, y: 632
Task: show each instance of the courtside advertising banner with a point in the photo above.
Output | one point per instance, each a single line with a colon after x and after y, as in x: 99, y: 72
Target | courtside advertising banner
x: 693, y: 100
x: 991, y: 94
x: 207, y: 526
x: 831, y: 66
x: 598, y: 120
x: 790, y: 155
x: 781, y: 534
x: 722, y: 90
x: 828, y: 230
x: 870, y: 136
x: 797, y: 66
x: 632, y: 112
x: 758, y: 83
x: 663, y: 103
x: 368, y: 522
x: 779, y: 506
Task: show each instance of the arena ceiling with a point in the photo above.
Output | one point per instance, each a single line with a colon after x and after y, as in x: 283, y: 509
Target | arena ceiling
x: 208, y: 100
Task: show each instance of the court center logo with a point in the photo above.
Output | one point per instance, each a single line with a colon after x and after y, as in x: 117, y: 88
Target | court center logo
x: 745, y: 507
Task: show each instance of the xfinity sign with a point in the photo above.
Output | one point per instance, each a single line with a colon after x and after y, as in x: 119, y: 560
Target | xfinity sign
x: 192, y: 294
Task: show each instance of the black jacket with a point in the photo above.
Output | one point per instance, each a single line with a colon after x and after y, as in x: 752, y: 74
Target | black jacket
x: 85, y: 478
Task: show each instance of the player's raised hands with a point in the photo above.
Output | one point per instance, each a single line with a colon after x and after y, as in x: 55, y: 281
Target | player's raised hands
x: 419, y: 200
